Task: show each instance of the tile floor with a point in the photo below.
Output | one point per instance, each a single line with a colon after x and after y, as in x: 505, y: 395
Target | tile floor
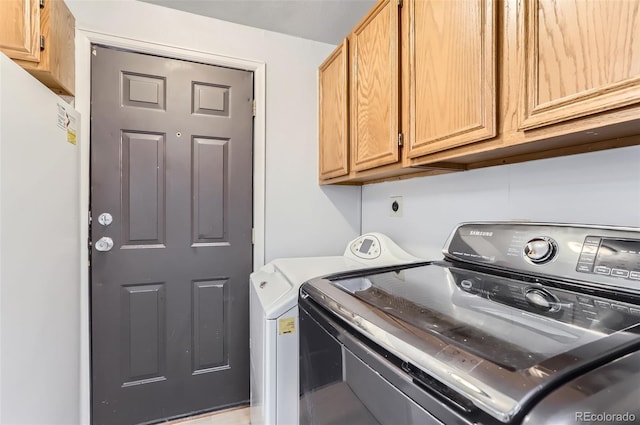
x: 233, y: 416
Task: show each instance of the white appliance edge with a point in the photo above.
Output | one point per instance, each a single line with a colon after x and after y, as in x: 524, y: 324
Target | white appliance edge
x: 39, y: 253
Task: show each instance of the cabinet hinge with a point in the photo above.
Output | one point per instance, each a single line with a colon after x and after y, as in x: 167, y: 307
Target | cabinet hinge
x: 253, y: 107
x: 41, y: 4
x: 253, y: 236
x: 400, y: 3
x: 400, y: 139
x: 42, y: 42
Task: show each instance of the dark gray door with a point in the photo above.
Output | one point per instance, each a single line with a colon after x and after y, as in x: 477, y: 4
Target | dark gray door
x: 171, y: 162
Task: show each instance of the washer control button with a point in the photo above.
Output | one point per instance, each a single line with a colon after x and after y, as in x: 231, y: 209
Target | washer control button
x: 619, y: 307
x: 592, y: 240
x: 620, y: 273
x: 602, y: 270
x: 585, y: 300
x: 466, y: 284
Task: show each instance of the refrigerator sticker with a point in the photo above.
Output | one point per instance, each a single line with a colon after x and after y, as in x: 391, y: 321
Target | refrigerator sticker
x: 286, y: 326
x: 62, y: 117
x: 67, y: 123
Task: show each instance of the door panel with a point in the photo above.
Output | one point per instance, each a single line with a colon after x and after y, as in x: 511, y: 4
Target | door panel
x: 143, y: 177
x: 143, y: 342
x: 172, y: 162
x: 209, y: 186
x: 210, y: 345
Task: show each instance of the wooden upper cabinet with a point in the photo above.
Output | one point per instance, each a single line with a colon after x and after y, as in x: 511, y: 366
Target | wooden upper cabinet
x: 51, y: 38
x: 333, y: 121
x: 20, y: 29
x: 374, y: 88
x: 579, y: 58
x: 451, y: 75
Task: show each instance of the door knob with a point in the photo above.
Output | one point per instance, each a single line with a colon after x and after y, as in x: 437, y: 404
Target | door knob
x: 104, y: 244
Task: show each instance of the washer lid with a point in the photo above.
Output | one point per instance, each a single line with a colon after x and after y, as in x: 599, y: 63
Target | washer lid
x: 499, y: 342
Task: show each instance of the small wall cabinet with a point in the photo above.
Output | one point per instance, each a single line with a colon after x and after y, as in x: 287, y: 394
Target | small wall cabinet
x: 452, y: 74
x: 40, y: 36
x: 333, y: 121
x: 580, y: 58
x: 20, y: 29
x: 374, y: 88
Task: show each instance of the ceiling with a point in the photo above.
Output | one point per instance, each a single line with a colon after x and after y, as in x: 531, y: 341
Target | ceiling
x: 328, y: 21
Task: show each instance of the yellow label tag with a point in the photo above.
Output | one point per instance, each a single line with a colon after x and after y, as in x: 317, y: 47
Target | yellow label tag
x: 71, y: 137
x: 286, y: 325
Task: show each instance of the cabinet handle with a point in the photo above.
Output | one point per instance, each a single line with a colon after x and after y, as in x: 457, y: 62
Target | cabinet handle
x: 42, y: 42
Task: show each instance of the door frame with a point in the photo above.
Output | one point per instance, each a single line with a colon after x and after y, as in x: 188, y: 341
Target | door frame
x: 83, y: 41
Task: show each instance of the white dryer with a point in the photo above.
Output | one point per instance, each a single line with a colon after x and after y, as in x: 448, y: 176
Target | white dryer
x: 274, y: 321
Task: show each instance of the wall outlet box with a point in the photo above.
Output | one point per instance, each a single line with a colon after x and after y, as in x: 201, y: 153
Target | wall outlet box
x: 395, y: 206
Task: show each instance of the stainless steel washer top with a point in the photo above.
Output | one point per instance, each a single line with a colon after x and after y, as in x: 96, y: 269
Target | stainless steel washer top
x: 514, y: 312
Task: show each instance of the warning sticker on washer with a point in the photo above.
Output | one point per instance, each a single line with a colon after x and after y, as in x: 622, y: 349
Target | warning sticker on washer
x: 286, y: 326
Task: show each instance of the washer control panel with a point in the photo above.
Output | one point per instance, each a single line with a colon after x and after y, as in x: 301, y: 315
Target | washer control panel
x: 367, y: 247
x: 619, y: 258
x: 603, y: 255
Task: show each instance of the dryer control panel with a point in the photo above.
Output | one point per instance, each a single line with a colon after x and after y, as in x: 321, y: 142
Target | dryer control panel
x: 367, y: 247
x: 377, y: 250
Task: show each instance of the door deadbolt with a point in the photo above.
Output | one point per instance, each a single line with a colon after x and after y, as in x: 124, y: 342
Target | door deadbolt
x: 104, y: 244
x: 105, y: 219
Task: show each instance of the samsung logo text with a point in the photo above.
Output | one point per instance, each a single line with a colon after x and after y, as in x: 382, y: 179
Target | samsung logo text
x: 479, y: 233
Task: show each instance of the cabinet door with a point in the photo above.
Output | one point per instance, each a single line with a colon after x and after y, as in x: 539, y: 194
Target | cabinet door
x: 451, y: 73
x: 374, y: 88
x: 580, y: 57
x: 334, y: 114
x: 56, y: 68
x: 20, y: 29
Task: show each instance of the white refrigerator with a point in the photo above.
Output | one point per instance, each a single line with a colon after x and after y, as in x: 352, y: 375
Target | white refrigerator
x: 39, y: 252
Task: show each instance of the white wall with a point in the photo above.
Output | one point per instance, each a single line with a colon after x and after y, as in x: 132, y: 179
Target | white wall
x: 595, y: 188
x: 301, y: 218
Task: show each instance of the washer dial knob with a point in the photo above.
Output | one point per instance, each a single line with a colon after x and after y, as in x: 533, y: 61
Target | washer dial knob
x: 540, y: 250
x: 542, y: 299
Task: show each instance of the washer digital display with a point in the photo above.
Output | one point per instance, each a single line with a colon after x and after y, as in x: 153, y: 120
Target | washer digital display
x: 619, y: 255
